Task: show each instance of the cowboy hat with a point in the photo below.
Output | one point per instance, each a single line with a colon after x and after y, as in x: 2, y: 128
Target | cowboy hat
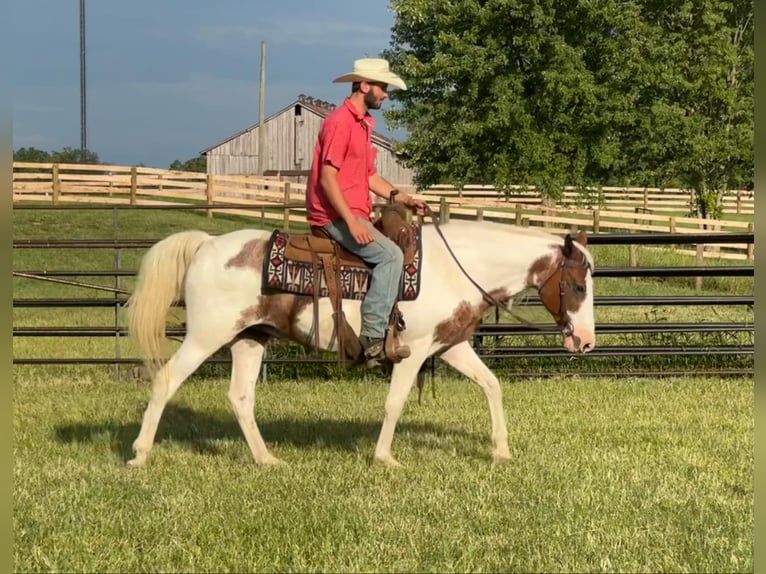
x: 372, y: 70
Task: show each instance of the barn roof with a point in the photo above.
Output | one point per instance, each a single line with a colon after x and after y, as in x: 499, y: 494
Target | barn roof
x: 315, y: 106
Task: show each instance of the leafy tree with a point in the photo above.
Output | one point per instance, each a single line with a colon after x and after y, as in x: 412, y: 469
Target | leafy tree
x: 572, y: 92
x: 31, y: 154
x: 695, y: 114
x: 74, y: 155
x: 198, y: 164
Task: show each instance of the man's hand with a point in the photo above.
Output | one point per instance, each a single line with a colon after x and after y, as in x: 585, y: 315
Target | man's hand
x: 416, y: 205
x: 360, y: 233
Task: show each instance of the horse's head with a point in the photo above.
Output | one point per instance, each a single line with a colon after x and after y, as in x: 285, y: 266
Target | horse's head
x: 566, y: 290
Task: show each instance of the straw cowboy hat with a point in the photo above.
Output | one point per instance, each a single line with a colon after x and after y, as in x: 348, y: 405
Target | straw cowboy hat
x: 372, y: 70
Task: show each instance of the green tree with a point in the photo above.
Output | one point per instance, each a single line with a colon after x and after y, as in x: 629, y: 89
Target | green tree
x: 694, y: 110
x: 31, y: 154
x: 574, y: 93
x: 74, y: 155
x: 512, y: 92
x: 198, y: 164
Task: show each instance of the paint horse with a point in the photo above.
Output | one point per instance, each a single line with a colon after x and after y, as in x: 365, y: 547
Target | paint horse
x: 465, y: 267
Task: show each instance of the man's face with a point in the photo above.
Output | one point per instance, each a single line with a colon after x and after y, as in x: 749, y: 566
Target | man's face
x: 375, y: 95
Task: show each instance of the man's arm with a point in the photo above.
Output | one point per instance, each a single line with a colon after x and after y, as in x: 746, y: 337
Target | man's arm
x: 329, y: 180
x: 382, y: 188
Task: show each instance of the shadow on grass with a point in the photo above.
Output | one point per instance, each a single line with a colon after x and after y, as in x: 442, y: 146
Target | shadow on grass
x: 200, y: 431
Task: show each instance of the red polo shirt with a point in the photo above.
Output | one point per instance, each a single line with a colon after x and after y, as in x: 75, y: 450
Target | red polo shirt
x: 345, y: 142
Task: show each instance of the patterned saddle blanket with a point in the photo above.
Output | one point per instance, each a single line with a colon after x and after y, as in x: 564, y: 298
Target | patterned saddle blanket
x: 294, y: 263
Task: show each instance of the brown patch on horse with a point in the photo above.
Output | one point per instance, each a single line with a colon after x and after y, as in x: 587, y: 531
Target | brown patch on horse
x: 464, y: 320
x: 555, y: 284
x: 250, y: 256
x: 277, y: 312
x: 540, y: 270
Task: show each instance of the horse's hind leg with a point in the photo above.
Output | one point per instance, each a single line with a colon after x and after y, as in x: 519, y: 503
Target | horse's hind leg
x: 166, y: 382
x: 247, y: 355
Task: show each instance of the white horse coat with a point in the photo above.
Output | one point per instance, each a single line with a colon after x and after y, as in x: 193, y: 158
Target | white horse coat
x: 220, y: 280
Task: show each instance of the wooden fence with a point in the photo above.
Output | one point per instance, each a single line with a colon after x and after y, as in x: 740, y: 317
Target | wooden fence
x: 617, y: 210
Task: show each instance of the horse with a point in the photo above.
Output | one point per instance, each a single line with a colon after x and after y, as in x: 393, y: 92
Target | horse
x: 466, y: 267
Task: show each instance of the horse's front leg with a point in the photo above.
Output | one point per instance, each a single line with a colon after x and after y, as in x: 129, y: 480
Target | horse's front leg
x: 402, y: 380
x: 463, y: 358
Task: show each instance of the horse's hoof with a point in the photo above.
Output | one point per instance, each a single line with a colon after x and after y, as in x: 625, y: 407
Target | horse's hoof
x: 137, y: 462
x: 271, y: 461
x: 388, y: 461
x: 497, y: 459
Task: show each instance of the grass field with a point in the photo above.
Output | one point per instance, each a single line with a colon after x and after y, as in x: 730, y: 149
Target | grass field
x: 606, y: 476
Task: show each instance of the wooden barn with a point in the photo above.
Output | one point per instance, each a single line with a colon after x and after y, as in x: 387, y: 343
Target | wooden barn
x: 290, y: 138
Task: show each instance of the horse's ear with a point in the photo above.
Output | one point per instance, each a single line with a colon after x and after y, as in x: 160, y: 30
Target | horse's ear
x: 582, y: 238
x: 568, y: 247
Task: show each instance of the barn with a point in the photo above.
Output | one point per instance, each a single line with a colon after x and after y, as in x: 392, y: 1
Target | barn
x: 290, y: 137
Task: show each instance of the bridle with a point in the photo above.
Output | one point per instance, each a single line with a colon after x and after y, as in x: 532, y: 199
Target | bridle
x: 562, y: 269
x: 564, y: 279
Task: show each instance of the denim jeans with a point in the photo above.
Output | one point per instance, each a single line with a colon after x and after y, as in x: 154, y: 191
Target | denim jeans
x: 387, y: 260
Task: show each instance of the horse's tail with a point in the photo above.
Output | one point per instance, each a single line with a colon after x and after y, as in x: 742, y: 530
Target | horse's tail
x: 160, y: 283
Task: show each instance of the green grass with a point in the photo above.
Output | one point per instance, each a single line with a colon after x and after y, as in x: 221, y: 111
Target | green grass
x: 606, y: 475
x: 628, y: 474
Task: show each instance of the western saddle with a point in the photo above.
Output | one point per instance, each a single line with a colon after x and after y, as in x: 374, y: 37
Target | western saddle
x: 326, y: 257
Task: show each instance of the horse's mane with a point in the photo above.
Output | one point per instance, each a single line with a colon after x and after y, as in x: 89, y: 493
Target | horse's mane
x: 478, y: 230
x: 494, y: 227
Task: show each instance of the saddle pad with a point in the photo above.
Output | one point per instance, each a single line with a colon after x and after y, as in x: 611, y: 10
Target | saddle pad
x: 282, y: 274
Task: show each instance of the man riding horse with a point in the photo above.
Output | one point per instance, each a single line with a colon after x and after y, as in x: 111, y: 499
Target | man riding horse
x: 338, y: 196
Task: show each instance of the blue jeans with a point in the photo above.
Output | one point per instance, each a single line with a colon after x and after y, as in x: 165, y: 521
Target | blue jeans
x: 387, y: 261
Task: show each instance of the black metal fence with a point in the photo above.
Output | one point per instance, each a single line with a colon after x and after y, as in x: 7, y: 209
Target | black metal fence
x: 486, y: 337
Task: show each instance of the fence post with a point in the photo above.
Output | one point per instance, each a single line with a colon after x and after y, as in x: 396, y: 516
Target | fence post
x: 633, y: 259
x: 480, y: 214
x: 672, y: 224
x: 133, y: 184
x: 286, y: 223
x: 750, y: 254
x: 700, y: 260
x: 739, y: 202
x: 55, y: 184
x: 519, y: 215
x: 596, y: 220
x: 118, y: 286
x: 209, y: 193
x: 646, y: 199
x: 443, y: 210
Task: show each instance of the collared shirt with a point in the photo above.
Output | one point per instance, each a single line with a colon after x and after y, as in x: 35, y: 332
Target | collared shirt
x: 345, y: 142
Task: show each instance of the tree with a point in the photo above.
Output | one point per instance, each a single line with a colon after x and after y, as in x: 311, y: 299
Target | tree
x: 580, y: 93
x: 74, y: 155
x: 31, y: 154
x: 695, y: 115
x: 503, y: 91
x: 198, y: 164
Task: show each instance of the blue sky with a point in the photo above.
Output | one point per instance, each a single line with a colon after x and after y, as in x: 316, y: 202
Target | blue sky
x: 169, y: 78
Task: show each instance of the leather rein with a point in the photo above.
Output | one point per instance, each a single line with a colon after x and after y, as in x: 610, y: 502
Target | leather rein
x: 561, y: 316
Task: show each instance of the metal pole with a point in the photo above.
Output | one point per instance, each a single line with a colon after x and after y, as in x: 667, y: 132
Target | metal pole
x: 117, y: 285
x: 262, y: 114
x: 83, y: 112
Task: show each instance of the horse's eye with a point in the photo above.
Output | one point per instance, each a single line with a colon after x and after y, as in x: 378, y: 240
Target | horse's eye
x: 579, y: 288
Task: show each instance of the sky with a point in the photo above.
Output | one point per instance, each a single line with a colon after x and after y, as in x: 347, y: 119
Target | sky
x: 166, y: 79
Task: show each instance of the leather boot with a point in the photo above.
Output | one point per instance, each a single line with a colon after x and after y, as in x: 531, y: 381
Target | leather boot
x: 374, y: 352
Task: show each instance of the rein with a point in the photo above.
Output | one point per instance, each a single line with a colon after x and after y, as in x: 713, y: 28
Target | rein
x: 489, y: 299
